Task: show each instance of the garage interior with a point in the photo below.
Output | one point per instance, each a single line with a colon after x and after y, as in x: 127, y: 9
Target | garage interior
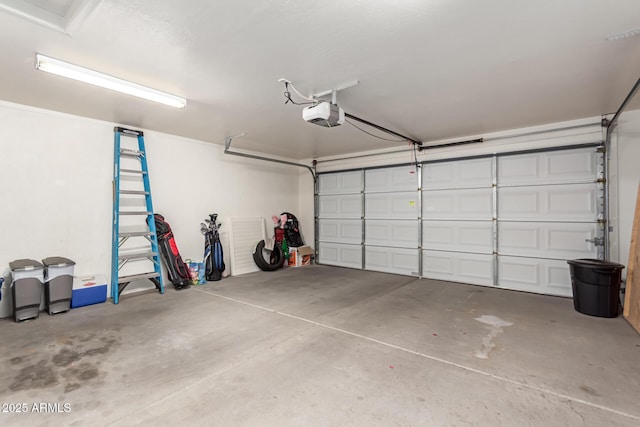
x: 482, y: 147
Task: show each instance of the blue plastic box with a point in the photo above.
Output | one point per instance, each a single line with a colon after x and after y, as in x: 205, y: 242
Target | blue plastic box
x: 88, y: 291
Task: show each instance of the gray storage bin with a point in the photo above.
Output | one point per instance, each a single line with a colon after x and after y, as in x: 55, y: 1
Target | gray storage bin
x: 58, y: 284
x: 6, y: 303
x: 26, y: 288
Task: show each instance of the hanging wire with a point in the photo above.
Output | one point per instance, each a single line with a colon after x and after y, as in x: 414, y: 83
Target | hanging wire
x: 287, y: 96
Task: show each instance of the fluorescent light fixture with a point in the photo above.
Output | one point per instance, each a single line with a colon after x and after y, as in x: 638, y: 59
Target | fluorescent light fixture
x: 71, y: 71
x: 624, y: 35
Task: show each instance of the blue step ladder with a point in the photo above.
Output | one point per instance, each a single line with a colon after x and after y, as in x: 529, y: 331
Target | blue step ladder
x: 146, y: 229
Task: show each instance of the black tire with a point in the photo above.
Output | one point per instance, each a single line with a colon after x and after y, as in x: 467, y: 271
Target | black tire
x: 275, y: 262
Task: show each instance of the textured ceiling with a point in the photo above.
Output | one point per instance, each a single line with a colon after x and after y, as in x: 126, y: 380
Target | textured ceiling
x: 428, y: 69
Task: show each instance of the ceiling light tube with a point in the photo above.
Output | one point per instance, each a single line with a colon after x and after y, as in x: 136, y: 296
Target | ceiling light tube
x: 71, y: 71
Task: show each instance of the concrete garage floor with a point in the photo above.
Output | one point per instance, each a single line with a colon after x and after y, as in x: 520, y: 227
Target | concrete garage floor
x: 323, y: 346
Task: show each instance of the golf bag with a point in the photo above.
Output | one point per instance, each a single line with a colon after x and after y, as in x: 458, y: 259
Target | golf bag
x: 291, y: 230
x: 213, y: 253
x: 177, y: 269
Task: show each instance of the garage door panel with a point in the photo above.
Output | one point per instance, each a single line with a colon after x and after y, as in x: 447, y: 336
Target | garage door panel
x: 572, y: 202
x: 340, y: 231
x: 548, y: 240
x: 392, y: 260
x: 391, y: 179
x: 392, y: 233
x: 458, y: 174
x: 476, y: 269
x: 518, y: 169
x: 544, y: 276
x: 340, y: 206
x: 548, y: 168
x: 340, y: 255
x: 401, y: 205
x: 458, y: 204
x: 462, y: 236
x: 574, y: 165
x: 340, y: 183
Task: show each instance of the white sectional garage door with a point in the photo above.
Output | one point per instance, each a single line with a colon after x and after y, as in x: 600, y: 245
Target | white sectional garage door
x: 549, y: 205
x: 340, y: 219
x: 457, y: 221
x: 391, y: 213
x: 509, y: 221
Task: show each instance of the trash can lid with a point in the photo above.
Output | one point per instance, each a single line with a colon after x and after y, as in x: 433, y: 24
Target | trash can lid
x: 594, y: 263
x: 24, y: 264
x: 57, y: 261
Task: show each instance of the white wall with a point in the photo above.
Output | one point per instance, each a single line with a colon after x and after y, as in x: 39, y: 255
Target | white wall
x: 565, y: 133
x: 56, y: 191
x: 627, y: 142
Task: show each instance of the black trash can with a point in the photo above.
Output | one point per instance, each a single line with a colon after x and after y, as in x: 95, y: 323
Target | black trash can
x: 596, y: 286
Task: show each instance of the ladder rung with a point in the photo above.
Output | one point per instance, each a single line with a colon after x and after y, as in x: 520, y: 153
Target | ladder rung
x: 137, y: 255
x: 135, y: 213
x: 135, y: 234
x: 128, y: 152
x: 135, y: 192
x: 129, y: 132
x: 137, y: 276
x: 139, y: 172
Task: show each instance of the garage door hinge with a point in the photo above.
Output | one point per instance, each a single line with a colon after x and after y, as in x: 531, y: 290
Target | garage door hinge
x: 605, y: 122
